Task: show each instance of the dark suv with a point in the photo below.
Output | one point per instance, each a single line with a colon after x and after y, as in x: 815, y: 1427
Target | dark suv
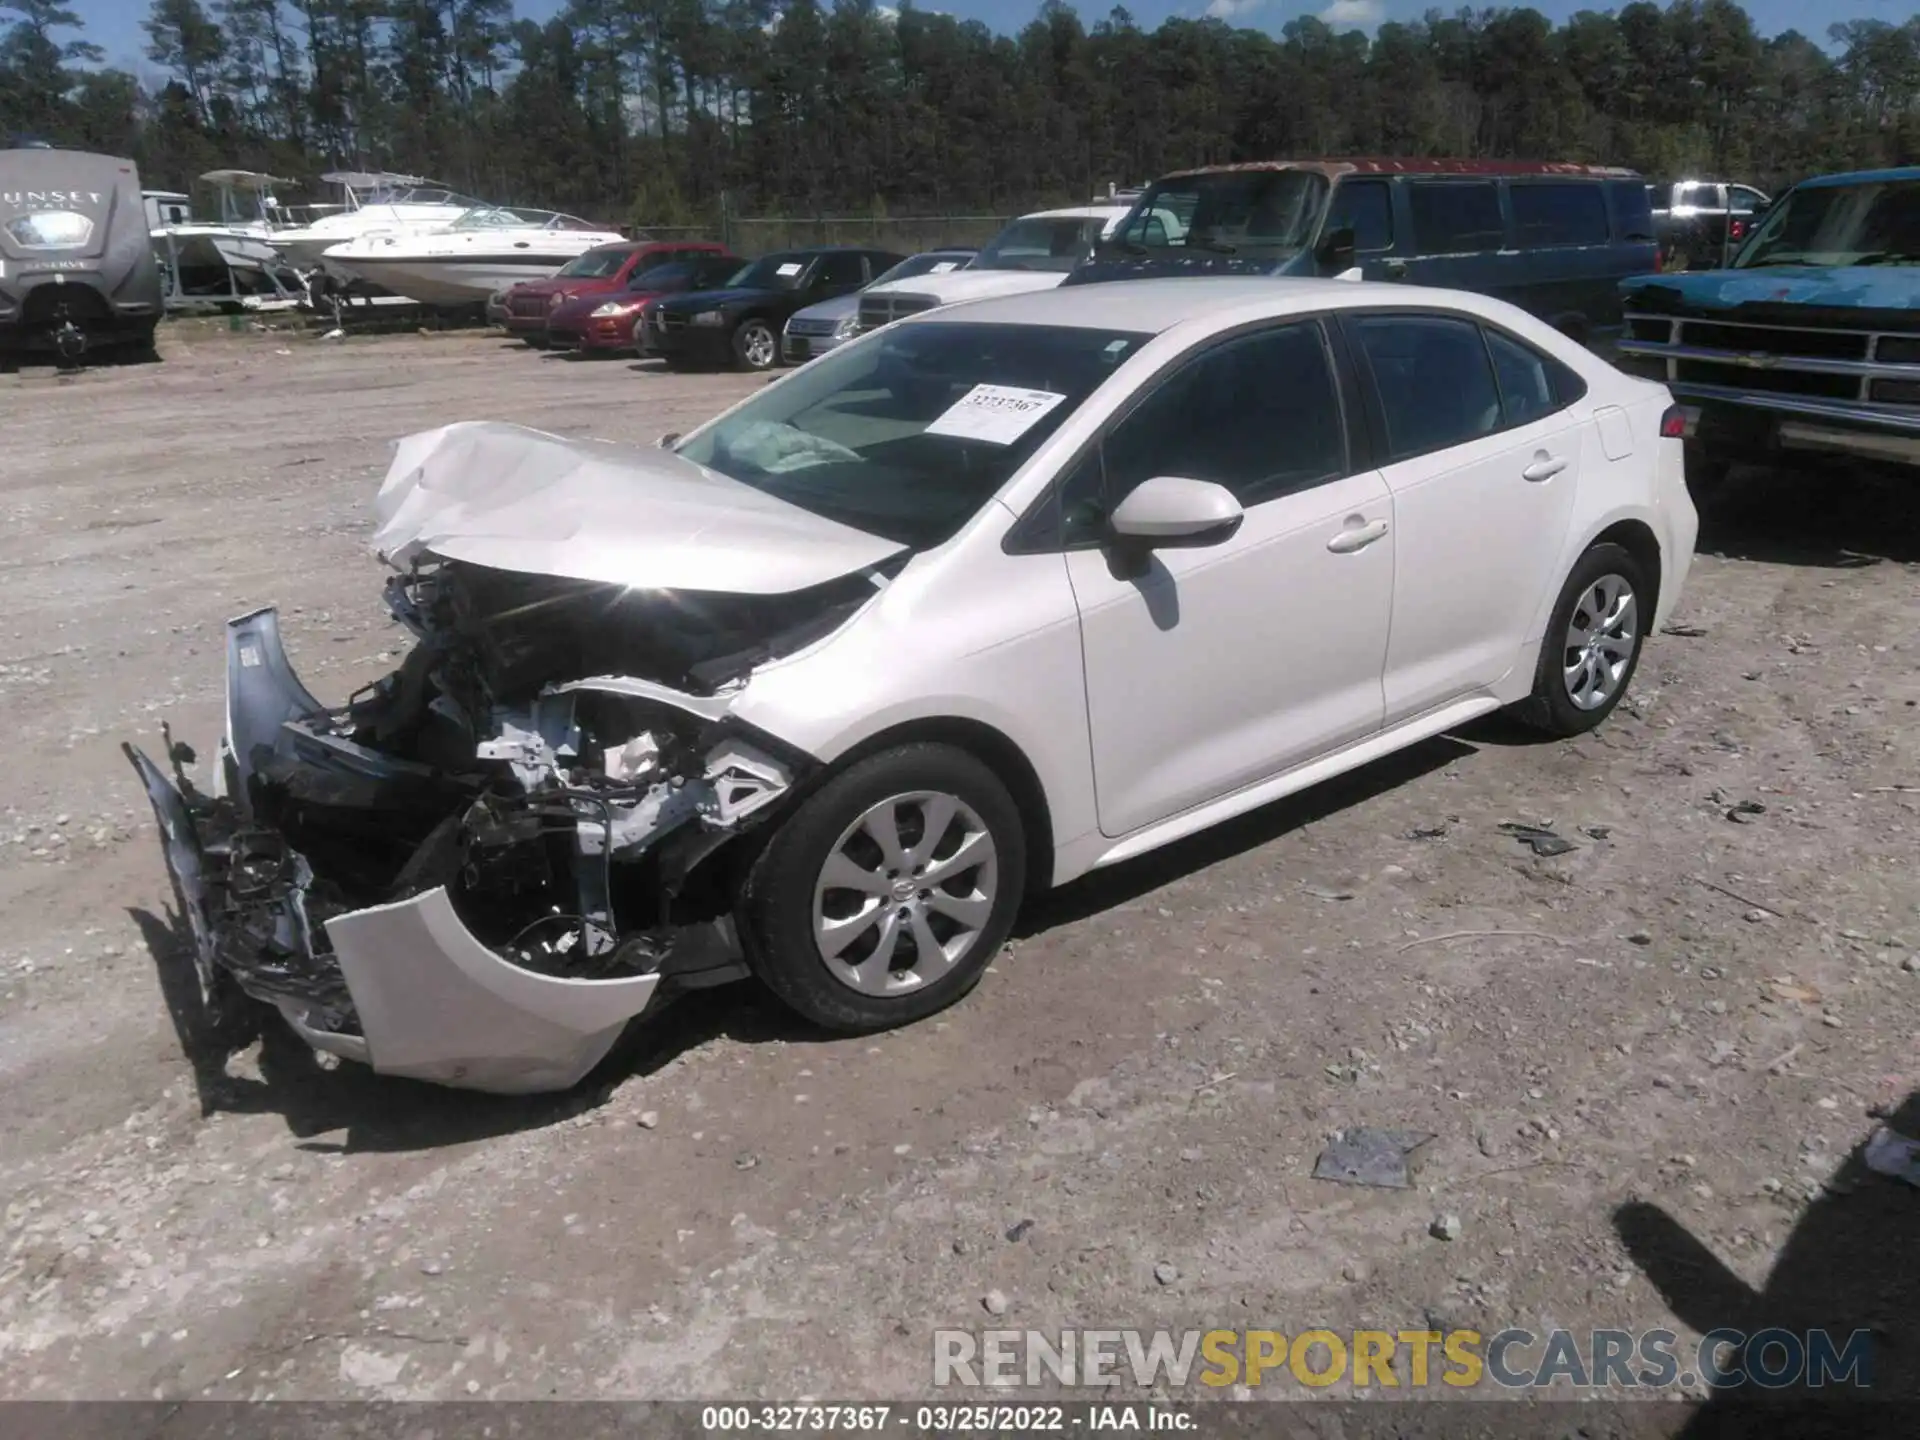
x: 741, y: 324
x: 1552, y: 239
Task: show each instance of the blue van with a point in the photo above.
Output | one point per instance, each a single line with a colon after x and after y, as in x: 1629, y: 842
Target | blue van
x: 1553, y: 239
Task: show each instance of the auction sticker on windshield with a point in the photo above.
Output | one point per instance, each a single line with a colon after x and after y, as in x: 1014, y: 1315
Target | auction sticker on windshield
x: 997, y: 414
x: 790, y: 268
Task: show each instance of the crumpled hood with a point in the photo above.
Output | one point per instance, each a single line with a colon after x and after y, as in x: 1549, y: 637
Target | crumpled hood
x: 1829, y: 287
x: 517, y: 499
x: 958, y: 285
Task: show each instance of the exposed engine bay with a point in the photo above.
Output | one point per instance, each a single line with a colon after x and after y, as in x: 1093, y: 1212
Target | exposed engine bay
x: 479, y: 868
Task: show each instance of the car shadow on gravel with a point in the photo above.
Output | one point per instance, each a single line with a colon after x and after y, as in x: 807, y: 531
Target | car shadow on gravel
x: 1130, y: 879
x: 1847, y: 1269
x: 1818, y: 516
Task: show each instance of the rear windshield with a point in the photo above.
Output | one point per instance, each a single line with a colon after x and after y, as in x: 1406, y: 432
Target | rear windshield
x: 1035, y: 243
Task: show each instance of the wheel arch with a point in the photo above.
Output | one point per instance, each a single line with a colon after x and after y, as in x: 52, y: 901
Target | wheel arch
x: 1636, y: 537
x: 994, y: 749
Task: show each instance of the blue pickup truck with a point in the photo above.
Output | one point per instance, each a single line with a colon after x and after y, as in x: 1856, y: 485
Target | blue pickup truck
x: 1808, y: 345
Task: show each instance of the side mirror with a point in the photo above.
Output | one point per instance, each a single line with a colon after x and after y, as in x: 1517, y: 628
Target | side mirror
x: 668, y: 440
x: 1335, y: 250
x: 1171, y: 513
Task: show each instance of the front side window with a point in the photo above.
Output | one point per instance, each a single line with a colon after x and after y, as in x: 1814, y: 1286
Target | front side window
x: 844, y: 270
x: 1433, y: 378
x: 1265, y: 214
x: 1875, y: 224
x: 1366, y: 205
x: 1456, y: 217
x: 1259, y: 414
x: 908, y: 435
x: 1555, y: 213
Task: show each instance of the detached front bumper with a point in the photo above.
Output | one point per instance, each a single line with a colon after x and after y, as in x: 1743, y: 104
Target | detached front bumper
x: 404, y: 984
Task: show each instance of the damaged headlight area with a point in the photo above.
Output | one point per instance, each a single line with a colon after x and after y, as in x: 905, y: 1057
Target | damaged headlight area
x: 480, y: 868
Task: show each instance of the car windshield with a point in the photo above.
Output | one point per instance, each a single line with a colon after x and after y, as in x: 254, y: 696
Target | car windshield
x: 1038, y: 243
x: 1265, y: 213
x: 907, y: 435
x: 1875, y: 224
x: 595, y: 264
x: 771, y: 272
x: 934, y: 262
x: 676, y: 275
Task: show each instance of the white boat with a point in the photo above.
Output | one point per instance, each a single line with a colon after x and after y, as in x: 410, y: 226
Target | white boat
x: 486, y: 249
x: 215, y: 249
x: 372, y: 202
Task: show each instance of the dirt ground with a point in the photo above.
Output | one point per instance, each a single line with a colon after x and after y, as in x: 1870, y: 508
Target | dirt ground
x: 1681, y: 1028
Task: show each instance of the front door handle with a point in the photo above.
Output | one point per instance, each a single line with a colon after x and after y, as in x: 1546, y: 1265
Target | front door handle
x: 1544, y: 467
x: 1356, y: 536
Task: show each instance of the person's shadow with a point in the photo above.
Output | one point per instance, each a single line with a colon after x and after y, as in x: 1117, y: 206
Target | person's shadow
x: 1851, y: 1268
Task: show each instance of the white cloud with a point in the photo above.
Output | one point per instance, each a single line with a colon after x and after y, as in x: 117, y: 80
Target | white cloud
x: 1231, y: 9
x: 1351, y: 14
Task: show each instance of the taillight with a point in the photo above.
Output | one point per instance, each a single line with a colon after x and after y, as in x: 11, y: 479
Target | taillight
x: 1673, y: 424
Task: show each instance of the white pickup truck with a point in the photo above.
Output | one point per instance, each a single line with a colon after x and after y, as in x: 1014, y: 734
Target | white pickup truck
x: 1035, y: 252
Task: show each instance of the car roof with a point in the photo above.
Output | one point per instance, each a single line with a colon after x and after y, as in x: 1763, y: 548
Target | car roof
x: 1388, y: 165
x: 1077, y: 212
x: 1149, y: 307
x: 1864, y: 177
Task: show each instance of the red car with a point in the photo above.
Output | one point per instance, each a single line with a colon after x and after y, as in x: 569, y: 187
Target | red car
x: 602, y: 270
x: 604, y: 320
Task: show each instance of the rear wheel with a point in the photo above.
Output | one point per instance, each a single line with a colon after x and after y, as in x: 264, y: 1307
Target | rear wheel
x: 884, y: 897
x: 1592, y: 645
x: 755, y: 346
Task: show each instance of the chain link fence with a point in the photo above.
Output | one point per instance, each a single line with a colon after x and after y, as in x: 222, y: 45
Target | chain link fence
x: 902, y: 234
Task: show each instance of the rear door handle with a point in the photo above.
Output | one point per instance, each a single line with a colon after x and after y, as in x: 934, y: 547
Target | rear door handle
x: 1544, y: 467
x: 1357, y: 536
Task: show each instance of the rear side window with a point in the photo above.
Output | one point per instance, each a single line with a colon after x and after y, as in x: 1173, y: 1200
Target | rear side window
x: 1433, y: 378
x: 1532, y: 385
x: 1632, y: 210
x: 1557, y: 213
x: 1452, y: 217
x: 1366, y: 205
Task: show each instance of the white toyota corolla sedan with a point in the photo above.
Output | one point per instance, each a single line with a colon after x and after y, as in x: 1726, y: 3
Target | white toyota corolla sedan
x: 983, y: 601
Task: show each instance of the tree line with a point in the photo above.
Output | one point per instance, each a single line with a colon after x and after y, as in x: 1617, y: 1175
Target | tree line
x: 652, y: 110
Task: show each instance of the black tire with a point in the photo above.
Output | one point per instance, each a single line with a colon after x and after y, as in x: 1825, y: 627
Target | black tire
x: 1707, y: 477
x: 1551, y: 707
x: 756, y: 345
x: 776, y: 906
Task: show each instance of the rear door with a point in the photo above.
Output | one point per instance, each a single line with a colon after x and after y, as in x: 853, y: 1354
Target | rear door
x: 1564, y: 270
x: 1459, y: 229
x: 1483, y: 443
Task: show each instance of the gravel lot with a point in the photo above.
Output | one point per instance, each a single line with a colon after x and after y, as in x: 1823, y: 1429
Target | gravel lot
x: 1698, y: 1009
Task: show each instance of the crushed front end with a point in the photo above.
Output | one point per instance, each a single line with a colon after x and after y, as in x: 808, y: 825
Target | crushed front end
x: 482, y: 867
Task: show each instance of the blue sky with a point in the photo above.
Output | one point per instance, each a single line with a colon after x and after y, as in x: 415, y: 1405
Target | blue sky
x: 115, y: 24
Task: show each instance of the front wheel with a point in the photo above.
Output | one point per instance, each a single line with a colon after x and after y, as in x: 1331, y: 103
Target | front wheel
x: 1592, y: 644
x: 755, y: 346
x: 883, y: 898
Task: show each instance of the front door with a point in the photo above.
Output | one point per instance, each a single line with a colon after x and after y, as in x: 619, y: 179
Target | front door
x: 1483, y: 457
x: 1218, y: 667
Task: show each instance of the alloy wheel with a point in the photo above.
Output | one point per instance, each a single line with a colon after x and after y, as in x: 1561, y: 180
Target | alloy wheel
x: 905, y: 893
x: 1601, y: 635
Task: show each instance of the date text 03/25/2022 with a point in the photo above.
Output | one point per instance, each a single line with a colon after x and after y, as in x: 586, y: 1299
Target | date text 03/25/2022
x: 945, y: 1419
